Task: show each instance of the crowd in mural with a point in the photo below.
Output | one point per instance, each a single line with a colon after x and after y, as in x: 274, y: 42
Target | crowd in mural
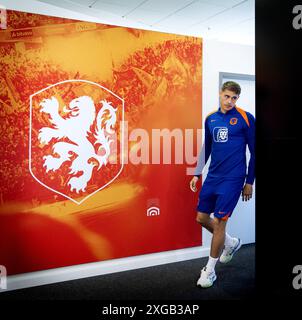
x: 156, y: 72
x: 21, y: 20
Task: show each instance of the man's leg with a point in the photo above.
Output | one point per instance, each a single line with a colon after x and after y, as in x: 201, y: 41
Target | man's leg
x: 218, y: 239
x: 217, y: 227
x: 231, y: 245
x: 229, y: 193
x: 205, y: 220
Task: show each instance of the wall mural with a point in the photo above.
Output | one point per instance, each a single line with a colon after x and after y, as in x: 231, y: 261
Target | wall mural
x: 98, y: 127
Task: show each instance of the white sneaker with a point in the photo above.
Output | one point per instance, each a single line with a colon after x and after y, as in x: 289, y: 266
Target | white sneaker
x: 228, y: 252
x: 207, y: 278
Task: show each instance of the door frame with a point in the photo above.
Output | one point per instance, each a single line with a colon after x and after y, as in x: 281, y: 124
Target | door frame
x: 235, y: 76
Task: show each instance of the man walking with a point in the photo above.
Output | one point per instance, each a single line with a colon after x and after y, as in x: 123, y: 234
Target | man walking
x: 228, y: 131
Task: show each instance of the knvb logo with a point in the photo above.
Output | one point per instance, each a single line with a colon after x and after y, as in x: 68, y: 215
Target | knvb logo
x: 297, y: 281
x: 79, y: 134
x: 3, y: 278
x: 297, y: 21
x: 3, y: 19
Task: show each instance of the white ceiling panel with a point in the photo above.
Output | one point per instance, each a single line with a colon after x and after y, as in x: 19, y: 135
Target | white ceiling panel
x: 159, y: 8
x: 81, y: 2
x: 229, y: 17
x: 110, y: 7
x: 166, y: 6
x: 192, y: 14
x: 127, y: 3
x: 223, y: 3
x: 118, y: 7
x: 226, y: 20
x: 147, y: 17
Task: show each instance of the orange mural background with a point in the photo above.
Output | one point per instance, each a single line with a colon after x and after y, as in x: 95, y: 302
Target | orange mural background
x: 159, y: 77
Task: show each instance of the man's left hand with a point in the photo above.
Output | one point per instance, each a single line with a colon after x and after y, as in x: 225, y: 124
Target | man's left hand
x: 247, y: 192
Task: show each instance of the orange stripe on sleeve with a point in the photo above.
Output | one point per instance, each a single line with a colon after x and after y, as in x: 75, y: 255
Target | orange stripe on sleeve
x: 244, y: 115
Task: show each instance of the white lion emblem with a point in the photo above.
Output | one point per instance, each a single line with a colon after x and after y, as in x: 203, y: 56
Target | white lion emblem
x: 222, y: 134
x: 76, y: 128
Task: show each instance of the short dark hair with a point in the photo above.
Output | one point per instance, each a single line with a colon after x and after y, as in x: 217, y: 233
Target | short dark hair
x: 232, y: 86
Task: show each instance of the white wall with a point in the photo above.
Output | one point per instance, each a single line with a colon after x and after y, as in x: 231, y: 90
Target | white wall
x: 216, y: 57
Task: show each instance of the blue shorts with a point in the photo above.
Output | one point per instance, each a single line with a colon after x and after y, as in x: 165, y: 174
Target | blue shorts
x: 220, y: 196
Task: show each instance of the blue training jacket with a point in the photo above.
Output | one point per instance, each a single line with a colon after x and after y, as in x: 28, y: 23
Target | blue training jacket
x: 226, y: 137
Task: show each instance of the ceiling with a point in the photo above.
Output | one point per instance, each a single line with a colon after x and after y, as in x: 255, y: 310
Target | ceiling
x: 222, y: 20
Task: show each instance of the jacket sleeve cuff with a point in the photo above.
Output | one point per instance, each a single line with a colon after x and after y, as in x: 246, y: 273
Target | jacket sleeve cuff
x: 249, y: 181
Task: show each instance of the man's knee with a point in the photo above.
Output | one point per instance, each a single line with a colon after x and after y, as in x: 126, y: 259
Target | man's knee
x: 219, y: 225
x: 202, y: 218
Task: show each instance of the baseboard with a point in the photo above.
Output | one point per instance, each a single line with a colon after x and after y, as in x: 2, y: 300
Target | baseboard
x: 44, y: 277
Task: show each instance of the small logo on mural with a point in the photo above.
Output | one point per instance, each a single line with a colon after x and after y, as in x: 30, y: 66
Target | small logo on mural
x: 153, y: 211
x: 153, y: 207
x: 72, y: 138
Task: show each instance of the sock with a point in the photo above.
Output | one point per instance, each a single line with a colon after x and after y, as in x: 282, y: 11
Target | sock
x: 211, y: 264
x: 229, y: 241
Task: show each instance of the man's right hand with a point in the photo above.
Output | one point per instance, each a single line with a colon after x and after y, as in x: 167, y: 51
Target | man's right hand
x: 193, y: 184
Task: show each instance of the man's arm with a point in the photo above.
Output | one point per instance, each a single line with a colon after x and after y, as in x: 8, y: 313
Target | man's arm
x: 203, y: 157
x: 205, y: 151
x: 250, y: 138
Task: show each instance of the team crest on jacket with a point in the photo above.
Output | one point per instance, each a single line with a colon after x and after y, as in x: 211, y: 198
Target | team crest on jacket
x: 220, y: 134
x: 75, y: 130
x: 233, y: 121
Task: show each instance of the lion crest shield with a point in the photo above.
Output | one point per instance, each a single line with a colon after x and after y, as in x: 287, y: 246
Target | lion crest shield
x: 75, y: 133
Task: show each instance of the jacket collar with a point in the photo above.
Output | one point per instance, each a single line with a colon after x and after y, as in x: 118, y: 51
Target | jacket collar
x: 232, y: 111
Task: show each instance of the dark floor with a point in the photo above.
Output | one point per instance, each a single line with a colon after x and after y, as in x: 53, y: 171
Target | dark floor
x: 173, y: 281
